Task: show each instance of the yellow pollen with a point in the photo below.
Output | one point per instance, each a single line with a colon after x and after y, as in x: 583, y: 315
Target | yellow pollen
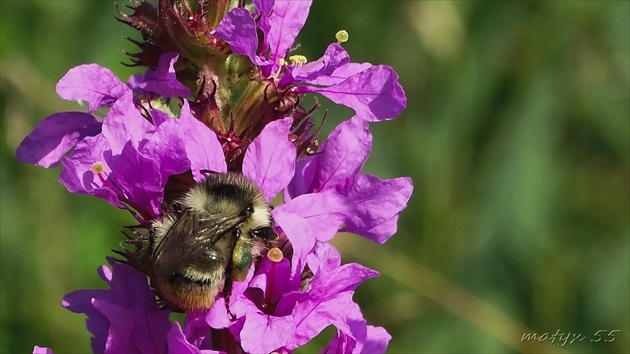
x: 342, y: 36
x: 298, y: 60
x: 282, y: 62
x: 98, y: 167
x: 275, y: 255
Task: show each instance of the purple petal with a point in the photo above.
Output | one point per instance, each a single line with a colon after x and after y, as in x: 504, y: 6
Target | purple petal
x: 340, y: 344
x: 334, y: 57
x: 313, y: 315
x: 323, y: 259
x: 121, y: 326
x: 130, y: 290
x: 124, y: 123
x: 375, y: 93
x: 270, y: 159
x: 42, y: 350
x: 355, y: 336
x: 285, y: 22
x: 378, y: 203
x: 134, y: 328
x: 329, y: 301
x: 129, y: 287
x: 163, y: 80
x: 158, y: 117
x: 377, y: 340
x: 276, y: 331
x: 135, y: 80
x: 340, y: 74
x: 298, y: 232
x: 302, y: 183
x: 238, y: 29
x: 264, y: 8
x: 150, y: 330
x: 196, y: 328
x: 202, y: 146
x: 217, y: 316
x: 351, y: 331
x: 54, y: 136
x: 135, y: 321
x: 272, y: 278
x: 177, y: 342
x: 138, y: 177
x: 124, y: 318
x: 97, y: 324
x: 344, y: 153
x: 92, y: 83
x: 324, y: 212
x: 167, y: 147
x: 240, y: 305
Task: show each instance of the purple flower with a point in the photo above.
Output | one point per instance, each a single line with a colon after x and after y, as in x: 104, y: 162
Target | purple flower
x: 124, y: 318
x: 372, y: 91
x: 129, y: 162
x: 60, y: 132
x: 288, y: 314
x: 125, y: 159
x: 376, y: 202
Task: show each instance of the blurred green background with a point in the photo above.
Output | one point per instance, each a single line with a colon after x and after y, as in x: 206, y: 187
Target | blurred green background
x: 516, y: 136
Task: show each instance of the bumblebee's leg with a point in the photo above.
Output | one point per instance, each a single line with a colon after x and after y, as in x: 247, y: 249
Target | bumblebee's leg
x: 227, y: 288
x: 227, y: 291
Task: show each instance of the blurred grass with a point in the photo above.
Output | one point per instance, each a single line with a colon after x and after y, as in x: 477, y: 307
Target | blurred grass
x: 516, y: 135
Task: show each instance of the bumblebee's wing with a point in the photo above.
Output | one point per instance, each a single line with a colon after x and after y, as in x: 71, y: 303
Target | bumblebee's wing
x: 188, y: 238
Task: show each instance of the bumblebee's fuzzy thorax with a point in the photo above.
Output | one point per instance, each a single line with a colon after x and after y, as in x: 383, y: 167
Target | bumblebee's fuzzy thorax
x: 208, y: 238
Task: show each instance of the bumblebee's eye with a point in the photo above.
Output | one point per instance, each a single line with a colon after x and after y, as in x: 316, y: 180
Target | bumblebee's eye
x: 265, y: 233
x: 249, y: 211
x: 177, y: 208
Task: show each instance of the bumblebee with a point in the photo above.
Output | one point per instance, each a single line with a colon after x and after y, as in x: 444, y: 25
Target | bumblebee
x: 208, y: 238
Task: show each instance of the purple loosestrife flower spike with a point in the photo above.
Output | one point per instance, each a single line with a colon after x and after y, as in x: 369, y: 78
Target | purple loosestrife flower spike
x: 222, y: 93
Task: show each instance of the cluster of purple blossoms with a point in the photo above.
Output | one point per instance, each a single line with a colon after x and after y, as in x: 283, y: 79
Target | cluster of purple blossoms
x: 218, y: 95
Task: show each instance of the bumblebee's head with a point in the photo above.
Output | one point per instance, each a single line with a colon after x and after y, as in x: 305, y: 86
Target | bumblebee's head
x: 232, y: 196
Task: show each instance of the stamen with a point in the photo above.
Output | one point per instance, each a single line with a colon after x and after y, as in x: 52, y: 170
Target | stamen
x: 98, y: 167
x: 298, y: 60
x: 282, y: 62
x: 342, y: 36
x: 275, y: 255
